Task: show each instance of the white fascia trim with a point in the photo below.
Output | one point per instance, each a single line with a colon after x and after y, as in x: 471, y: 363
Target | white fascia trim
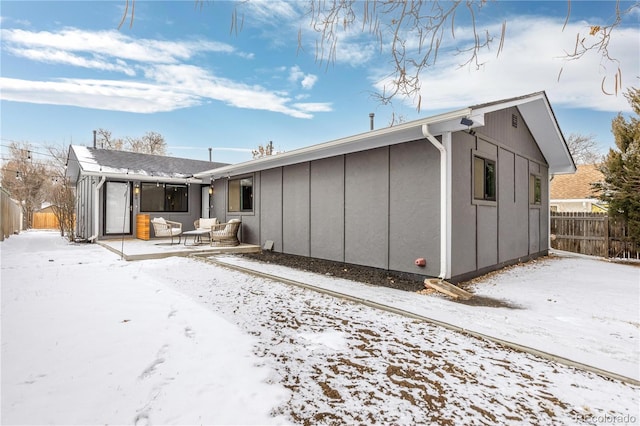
x: 143, y: 178
x: 372, y: 139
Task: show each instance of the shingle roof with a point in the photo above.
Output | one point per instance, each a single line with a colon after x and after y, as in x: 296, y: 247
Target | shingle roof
x: 576, y: 186
x: 98, y: 160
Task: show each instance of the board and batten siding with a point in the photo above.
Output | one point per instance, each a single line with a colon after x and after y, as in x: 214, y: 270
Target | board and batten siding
x: 85, y: 202
x: 295, y: 209
x: 377, y: 208
x: 327, y: 209
x: 486, y: 234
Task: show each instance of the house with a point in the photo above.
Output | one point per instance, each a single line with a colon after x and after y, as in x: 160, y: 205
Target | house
x: 574, y: 193
x: 114, y: 187
x: 462, y: 193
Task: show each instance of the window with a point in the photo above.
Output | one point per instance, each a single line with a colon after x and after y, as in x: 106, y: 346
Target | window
x: 535, y: 189
x: 241, y: 195
x: 164, y: 197
x: 484, y: 179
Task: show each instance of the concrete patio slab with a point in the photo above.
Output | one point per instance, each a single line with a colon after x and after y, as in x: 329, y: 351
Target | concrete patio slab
x: 159, y: 248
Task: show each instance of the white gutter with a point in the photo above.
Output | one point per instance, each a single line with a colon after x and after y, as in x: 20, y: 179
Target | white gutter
x: 404, y: 132
x: 96, y: 209
x: 142, y: 178
x: 444, y: 192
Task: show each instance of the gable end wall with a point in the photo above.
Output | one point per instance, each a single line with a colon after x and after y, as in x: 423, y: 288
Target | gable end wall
x: 486, y: 235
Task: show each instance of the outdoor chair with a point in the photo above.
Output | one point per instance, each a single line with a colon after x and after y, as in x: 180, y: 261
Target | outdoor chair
x: 225, y: 234
x: 203, y: 224
x: 167, y: 228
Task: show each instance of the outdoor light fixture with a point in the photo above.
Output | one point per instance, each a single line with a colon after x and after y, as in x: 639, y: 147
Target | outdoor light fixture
x: 136, y: 189
x: 466, y: 121
x: 211, y: 190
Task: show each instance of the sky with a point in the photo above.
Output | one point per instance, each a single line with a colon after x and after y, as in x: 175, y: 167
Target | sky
x: 202, y: 79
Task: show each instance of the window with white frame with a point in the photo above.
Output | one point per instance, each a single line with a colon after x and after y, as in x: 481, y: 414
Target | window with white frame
x: 535, y: 189
x: 484, y: 179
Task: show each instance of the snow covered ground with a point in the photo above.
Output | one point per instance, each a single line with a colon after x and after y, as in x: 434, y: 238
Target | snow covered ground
x: 88, y: 338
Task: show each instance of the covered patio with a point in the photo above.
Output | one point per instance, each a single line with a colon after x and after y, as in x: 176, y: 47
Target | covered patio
x: 159, y: 248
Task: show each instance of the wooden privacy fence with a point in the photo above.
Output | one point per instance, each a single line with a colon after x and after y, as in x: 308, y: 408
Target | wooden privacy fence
x: 45, y: 220
x: 594, y: 234
x: 10, y: 215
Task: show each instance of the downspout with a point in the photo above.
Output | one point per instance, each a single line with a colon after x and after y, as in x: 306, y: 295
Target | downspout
x: 96, y: 210
x: 444, y: 221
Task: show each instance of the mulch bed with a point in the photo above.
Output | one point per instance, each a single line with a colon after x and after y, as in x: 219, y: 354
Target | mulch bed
x: 373, y: 276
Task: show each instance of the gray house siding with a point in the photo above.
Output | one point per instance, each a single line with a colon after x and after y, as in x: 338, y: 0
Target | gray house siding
x: 414, y: 207
x: 463, y: 211
x: 270, y: 213
x: 366, y: 219
x: 327, y: 209
x: 486, y: 234
x: 296, y: 209
x: 85, y: 199
x: 375, y: 208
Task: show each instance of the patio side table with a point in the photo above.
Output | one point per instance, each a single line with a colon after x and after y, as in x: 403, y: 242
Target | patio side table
x: 197, y: 236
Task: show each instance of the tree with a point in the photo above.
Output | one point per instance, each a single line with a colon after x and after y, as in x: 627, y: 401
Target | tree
x: 61, y: 194
x: 621, y: 169
x: 414, y: 31
x: 150, y: 143
x: 104, y: 140
x: 264, y: 151
x: 25, y: 179
x: 584, y: 149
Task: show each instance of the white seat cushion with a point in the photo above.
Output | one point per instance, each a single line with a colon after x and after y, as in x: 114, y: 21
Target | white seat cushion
x: 207, y: 223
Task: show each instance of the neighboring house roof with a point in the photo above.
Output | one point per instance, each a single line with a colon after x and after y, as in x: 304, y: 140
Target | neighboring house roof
x: 534, y: 108
x: 576, y: 186
x: 112, y: 163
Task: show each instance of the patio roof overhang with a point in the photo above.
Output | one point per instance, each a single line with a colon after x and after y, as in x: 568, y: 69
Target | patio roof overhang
x: 144, y: 177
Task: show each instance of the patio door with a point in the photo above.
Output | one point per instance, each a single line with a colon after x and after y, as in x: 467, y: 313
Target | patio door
x: 206, y: 208
x: 117, y: 214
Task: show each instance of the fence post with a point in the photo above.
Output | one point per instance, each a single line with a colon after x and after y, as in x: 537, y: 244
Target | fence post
x: 606, y: 235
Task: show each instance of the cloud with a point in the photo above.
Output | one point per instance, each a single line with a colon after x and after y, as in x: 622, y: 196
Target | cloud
x: 56, y: 56
x: 307, y: 81
x: 314, y: 106
x: 531, y: 61
x: 271, y: 12
x: 110, y: 43
x: 165, y: 79
x: 98, y: 94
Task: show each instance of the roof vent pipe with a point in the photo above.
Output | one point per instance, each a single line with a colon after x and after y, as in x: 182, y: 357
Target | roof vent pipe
x: 371, y: 115
x: 210, y: 153
x: 94, y: 139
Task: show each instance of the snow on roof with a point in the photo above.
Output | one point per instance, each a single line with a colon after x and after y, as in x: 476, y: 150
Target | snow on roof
x: 98, y: 161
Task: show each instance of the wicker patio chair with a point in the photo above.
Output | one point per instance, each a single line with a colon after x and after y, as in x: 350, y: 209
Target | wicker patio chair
x: 205, y: 224
x: 225, y: 234
x: 167, y: 228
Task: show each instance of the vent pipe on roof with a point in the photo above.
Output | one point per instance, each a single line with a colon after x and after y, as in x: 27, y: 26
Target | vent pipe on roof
x: 371, y: 115
x: 94, y: 138
x: 210, y: 149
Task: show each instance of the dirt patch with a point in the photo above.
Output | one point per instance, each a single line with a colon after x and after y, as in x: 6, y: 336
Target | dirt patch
x: 364, y: 274
x: 372, y: 276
